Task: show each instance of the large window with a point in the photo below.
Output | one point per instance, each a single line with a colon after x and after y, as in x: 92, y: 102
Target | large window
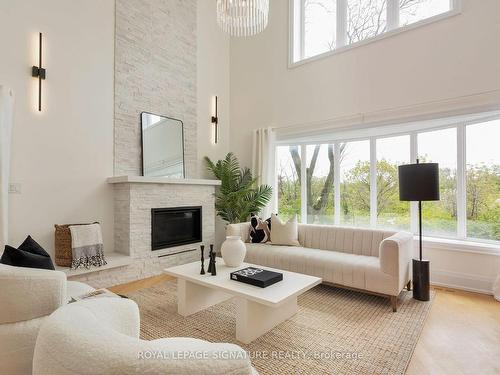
x: 365, y: 19
x: 412, y: 11
x: 391, y: 212
x: 319, y: 180
x: 440, y: 146
x: 354, y: 182
x: 321, y: 26
x: 483, y: 180
x: 288, y: 175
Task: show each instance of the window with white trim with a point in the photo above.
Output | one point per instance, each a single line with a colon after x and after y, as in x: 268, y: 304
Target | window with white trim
x: 482, y: 180
x: 321, y: 26
x: 391, y: 212
x: 440, y: 146
x: 354, y: 181
x: 288, y: 189
x: 354, y: 163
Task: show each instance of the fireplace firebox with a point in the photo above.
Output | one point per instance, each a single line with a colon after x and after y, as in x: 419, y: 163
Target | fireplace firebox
x: 175, y: 226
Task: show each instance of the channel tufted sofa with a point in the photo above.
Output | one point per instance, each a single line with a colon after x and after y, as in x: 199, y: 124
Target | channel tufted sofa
x: 373, y: 261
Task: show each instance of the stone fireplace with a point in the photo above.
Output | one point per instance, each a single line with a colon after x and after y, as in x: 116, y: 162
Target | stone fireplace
x: 163, y: 83
x: 134, y: 199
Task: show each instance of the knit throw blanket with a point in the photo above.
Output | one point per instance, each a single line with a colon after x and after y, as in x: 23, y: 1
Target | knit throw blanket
x: 87, y: 246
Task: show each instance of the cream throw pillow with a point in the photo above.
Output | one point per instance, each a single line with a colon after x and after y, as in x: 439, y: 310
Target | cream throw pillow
x: 284, y: 233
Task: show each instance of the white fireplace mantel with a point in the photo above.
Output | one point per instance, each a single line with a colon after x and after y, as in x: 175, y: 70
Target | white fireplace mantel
x: 134, y: 197
x: 161, y: 180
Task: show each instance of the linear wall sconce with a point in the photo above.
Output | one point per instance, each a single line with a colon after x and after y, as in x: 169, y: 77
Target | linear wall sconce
x: 39, y: 72
x: 215, y: 120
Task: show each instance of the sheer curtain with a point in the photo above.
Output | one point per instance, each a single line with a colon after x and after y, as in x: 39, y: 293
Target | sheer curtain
x: 263, y: 163
x: 6, y: 109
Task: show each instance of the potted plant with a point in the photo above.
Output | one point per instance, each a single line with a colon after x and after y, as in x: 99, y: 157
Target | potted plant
x: 237, y: 198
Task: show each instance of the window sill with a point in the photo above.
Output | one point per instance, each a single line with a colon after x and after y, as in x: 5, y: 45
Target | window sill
x: 460, y: 245
x: 387, y: 34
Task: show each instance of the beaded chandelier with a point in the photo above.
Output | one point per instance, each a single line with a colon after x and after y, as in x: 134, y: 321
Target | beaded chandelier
x: 242, y: 17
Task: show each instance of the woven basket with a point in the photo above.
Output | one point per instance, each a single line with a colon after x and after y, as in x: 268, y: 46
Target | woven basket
x: 62, y: 236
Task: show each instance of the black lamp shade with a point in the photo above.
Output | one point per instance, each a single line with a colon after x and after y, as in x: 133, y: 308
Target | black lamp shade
x: 419, y: 182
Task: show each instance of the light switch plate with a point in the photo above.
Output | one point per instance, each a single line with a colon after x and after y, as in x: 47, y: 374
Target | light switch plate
x: 15, y: 188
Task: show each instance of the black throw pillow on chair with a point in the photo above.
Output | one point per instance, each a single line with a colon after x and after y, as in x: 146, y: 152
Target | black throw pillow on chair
x: 30, y: 254
x: 33, y: 247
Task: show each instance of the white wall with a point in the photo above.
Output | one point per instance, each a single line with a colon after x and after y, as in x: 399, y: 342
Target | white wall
x: 213, y: 79
x: 447, y: 59
x: 455, y: 60
x: 62, y: 155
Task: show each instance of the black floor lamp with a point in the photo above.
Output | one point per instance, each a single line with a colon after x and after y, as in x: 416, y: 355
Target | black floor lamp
x: 419, y: 182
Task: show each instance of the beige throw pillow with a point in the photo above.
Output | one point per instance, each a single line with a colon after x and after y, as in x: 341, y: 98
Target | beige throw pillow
x: 284, y: 233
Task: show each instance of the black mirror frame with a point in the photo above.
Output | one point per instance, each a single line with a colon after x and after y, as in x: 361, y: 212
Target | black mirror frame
x: 142, y: 141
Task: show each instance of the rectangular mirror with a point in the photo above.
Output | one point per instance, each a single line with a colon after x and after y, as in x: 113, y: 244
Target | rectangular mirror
x: 162, y: 146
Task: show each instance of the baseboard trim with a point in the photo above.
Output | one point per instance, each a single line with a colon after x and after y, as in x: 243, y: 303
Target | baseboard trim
x: 462, y: 281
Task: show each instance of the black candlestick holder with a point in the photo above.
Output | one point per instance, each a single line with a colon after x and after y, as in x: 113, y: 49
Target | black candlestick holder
x: 202, y: 272
x: 214, y: 268
x: 209, y: 270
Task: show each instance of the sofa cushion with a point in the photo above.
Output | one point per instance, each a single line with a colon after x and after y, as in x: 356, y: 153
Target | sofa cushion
x: 343, y: 239
x: 259, y: 231
x: 351, y: 270
x: 284, y: 233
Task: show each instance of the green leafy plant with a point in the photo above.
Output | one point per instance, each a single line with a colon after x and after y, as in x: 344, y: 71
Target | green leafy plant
x: 239, y: 195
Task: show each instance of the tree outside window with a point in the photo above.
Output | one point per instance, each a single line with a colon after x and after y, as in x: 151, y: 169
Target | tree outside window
x: 481, y: 200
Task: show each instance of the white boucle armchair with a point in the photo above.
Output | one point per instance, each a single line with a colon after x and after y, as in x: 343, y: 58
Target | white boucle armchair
x: 27, y: 297
x: 101, y: 336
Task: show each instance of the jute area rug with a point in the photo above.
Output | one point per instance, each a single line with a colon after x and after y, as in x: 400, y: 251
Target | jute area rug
x: 336, y: 331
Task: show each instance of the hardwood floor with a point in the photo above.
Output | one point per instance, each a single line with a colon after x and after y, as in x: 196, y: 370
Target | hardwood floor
x: 139, y: 284
x: 461, y: 335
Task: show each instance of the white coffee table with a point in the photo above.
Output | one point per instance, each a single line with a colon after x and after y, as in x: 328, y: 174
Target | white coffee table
x: 257, y: 309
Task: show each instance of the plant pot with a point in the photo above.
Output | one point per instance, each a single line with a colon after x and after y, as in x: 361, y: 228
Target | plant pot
x: 233, y: 251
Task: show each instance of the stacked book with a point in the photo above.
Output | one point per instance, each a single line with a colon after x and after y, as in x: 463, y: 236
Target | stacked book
x: 257, y: 276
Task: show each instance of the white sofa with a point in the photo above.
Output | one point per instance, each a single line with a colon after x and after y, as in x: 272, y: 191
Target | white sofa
x: 101, y: 336
x: 27, y: 297
x: 369, y: 260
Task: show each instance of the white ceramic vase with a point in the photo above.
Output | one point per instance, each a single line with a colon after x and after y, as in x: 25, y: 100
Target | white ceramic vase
x: 233, y: 251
